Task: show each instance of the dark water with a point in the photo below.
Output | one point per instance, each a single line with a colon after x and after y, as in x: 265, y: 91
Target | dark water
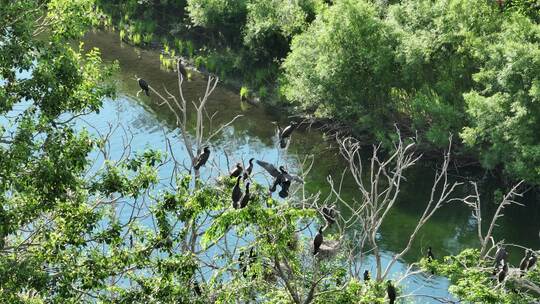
x: 253, y: 135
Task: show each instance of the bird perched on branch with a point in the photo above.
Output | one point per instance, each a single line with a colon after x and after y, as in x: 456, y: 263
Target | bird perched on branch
x: 329, y: 214
x: 285, y: 185
x: 391, y: 292
x: 236, y: 193
x: 144, y: 86
x: 317, y: 241
x: 236, y: 171
x: 248, y: 170
x: 182, y: 70
x: 500, y: 255
x: 430, y: 255
x: 503, y: 272
x: 524, y: 262
x: 284, y: 134
x: 202, y: 158
x: 246, y: 197
x: 281, y: 176
x: 532, y: 261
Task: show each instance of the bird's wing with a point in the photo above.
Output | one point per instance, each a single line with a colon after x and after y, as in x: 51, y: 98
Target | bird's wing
x: 293, y: 177
x: 287, y: 131
x: 269, y: 167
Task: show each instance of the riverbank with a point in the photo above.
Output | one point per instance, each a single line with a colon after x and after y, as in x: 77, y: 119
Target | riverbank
x: 299, y: 73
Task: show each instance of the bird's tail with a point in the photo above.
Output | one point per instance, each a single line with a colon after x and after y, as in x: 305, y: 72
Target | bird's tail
x: 147, y: 92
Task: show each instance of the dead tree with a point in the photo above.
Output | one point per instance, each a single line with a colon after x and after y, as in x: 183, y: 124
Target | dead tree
x: 473, y: 201
x: 380, y: 186
x: 179, y: 107
x: 487, y: 239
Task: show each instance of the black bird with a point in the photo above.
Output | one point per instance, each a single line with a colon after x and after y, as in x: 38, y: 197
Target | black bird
x: 532, y: 261
x: 236, y: 193
x: 241, y: 264
x: 524, y: 262
x: 197, y: 288
x: 245, y: 198
x: 503, y: 272
x: 288, y: 130
x: 317, y: 241
x: 277, y: 174
x: 366, y: 275
x: 144, y: 86
x: 285, y: 185
x: 245, y: 262
x: 280, y: 175
x: 430, y: 255
x: 236, y: 171
x: 202, y: 158
x: 391, y: 292
x: 248, y: 170
x: 284, y: 134
x: 500, y: 255
x: 329, y: 215
x: 275, y: 183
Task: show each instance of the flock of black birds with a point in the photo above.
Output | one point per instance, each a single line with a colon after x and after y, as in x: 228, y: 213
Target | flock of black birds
x: 283, y: 179
x: 500, y: 270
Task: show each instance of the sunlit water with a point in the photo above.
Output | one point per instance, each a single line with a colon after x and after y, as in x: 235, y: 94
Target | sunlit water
x: 253, y: 135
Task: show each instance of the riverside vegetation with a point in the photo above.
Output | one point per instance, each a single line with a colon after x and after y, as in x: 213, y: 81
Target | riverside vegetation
x: 65, y: 236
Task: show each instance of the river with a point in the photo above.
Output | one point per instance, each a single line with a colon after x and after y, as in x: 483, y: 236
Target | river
x: 253, y: 135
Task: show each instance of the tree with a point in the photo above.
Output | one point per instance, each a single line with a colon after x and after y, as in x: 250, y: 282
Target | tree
x: 107, y: 229
x: 223, y: 16
x: 45, y: 85
x: 271, y: 25
x: 379, y: 185
x: 343, y: 65
x: 504, y: 109
x: 471, y: 272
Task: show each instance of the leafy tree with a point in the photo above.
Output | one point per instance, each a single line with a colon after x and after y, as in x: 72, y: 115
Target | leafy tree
x: 271, y: 25
x: 504, y: 108
x: 437, y: 55
x: 226, y: 16
x: 343, y: 65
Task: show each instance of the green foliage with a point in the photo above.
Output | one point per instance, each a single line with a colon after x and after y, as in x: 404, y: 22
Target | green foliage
x: 217, y: 14
x: 529, y: 8
x: 504, y: 108
x: 244, y: 92
x: 64, y: 234
x: 473, y: 282
x: 271, y: 24
x: 343, y: 65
